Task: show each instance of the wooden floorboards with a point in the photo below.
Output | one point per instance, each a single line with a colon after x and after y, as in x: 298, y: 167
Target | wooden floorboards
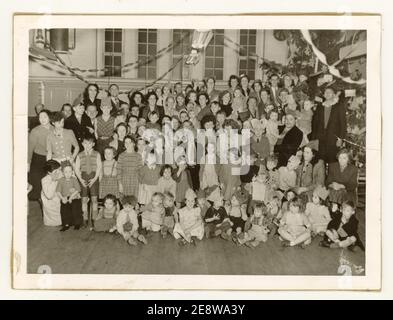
x: 85, y: 252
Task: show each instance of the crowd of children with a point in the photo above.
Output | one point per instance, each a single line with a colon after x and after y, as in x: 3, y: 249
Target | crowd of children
x: 112, y: 181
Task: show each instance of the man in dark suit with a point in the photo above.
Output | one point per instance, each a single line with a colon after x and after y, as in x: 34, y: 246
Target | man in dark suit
x: 79, y: 123
x: 292, y: 139
x: 274, y: 89
x: 329, y: 125
x: 114, y: 96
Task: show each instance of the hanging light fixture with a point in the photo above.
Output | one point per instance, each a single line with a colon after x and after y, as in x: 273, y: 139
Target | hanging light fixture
x: 200, y: 40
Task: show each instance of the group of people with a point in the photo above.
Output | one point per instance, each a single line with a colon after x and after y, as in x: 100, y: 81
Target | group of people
x: 96, y: 163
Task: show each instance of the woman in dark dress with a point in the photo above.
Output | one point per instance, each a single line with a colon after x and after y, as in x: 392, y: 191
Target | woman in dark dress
x: 291, y: 141
x: 90, y: 96
x: 342, y: 179
x: 329, y: 125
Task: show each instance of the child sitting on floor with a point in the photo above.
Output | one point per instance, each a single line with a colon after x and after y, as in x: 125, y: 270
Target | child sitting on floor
x: 106, y: 218
x: 170, y: 217
x: 342, y: 231
x: 294, y: 226
x: 190, y: 226
x: 273, y: 216
x: 127, y: 222
x: 153, y: 213
x: 256, y: 232
x: 317, y: 212
x: 237, y: 212
x: 202, y: 202
x: 216, y: 219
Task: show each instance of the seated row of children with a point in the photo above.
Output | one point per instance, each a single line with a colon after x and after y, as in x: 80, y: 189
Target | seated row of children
x: 252, y: 212
x: 294, y: 223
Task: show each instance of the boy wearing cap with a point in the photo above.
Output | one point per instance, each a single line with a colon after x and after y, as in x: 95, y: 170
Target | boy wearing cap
x: 216, y: 218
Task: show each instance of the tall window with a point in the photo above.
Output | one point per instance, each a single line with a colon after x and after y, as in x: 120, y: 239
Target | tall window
x: 214, y: 56
x: 182, y: 39
x: 147, y: 50
x: 247, y: 58
x: 113, y: 52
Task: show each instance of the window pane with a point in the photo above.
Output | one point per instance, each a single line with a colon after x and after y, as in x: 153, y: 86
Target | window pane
x: 117, y: 60
x: 209, y: 63
x: 218, y: 74
x: 142, y: 37
x: 142, y: 49
x: 251, y: 64
x: 152, y: 37
x: 117, y: 72
x: 243, y: 40
x: 151, y: 73
x: 243, y: 64
x: 243, y: 32
x: 117, y: 47
x: 152, y: 49
x: 108, y: 60
x: 251, y: 74
x: 108, y: 35
x: 219, y: 31
x: 219, y: 51
x: 243, y: 52
x: 118, y: 35
x: 252, y: 40
x: 219, y: 63
x: 209, y: 73
x: 108, y: 47
x: 253, y: 32
x: 252, y: 50
x: 219, y: 40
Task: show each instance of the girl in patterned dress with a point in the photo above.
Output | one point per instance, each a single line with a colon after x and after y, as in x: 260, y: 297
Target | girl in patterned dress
x: 108, y: 177
x: 128, y: 166
x: 294, y: 226
x: 105, y: 125
x: 149, y: 175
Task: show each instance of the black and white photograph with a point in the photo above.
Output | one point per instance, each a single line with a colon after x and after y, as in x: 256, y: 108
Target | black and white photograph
x: 203, y: 148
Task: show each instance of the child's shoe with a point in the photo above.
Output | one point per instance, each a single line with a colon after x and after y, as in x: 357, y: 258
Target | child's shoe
x: 142, y: 239
x: 286, y: 243
x: 132, y: 242
x: 64, y: 228
x: 112, y: 230
x: 324, y: 244
x: 225, y: 236
x: 217, y: 232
